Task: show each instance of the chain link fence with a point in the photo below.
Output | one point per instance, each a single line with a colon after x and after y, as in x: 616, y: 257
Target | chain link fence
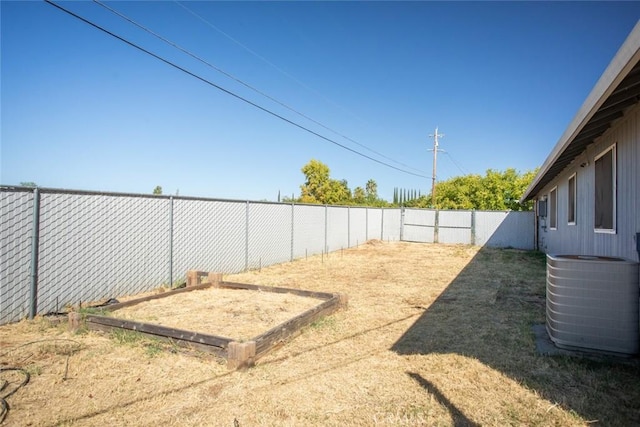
x: 16, y: 216
x: 94, y: 246
x: 208, y: 235
x: 61, y: 247
x: 99, y: 246
x: 269, y: 234
x: 309, y: 230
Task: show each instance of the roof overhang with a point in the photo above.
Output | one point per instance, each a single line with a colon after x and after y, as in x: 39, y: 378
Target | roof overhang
x: 615, y: 92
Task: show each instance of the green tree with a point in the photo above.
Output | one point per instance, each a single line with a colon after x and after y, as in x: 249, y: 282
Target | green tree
x: 157, y: 191
x: 316, y: 183
x: 287, y: 199
x: 339, y: 192
x: 29, y: 184
x: 320, y: 188
x: 496, y: 190
x: 371, y: 191
x: 359, y: 196
x: 458, y: 193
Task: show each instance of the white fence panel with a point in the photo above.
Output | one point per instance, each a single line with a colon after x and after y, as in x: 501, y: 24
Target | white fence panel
x: 337, y: 228
x: 374, y: 223
x: 505, y: 229
x: 455, y: 227
x: 357, y: 226
x: 269, y: 235
x: 100, y: 246
x: 419, y: 225
x: 16, y: 222
x: 391, y: 219
x: 208, y: 236
x: 308, y: 230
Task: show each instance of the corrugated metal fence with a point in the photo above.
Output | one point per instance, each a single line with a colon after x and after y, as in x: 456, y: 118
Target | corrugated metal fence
x: 62, y: 247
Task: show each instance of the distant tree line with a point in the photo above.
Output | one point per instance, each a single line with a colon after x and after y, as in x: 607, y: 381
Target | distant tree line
x: 402, y: 196
x: 320, y: 188
x: 496, y: 190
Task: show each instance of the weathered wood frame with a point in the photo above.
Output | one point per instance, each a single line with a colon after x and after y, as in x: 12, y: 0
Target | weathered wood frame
x: 238, y: 353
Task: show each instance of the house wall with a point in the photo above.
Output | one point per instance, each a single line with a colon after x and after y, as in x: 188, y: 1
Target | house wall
x: 581, y: 239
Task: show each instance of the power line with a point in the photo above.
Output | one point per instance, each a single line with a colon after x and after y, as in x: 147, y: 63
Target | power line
x: 231, y: 76
x: 455, y: 163
x: 210, y: 83
x: 262, y: 58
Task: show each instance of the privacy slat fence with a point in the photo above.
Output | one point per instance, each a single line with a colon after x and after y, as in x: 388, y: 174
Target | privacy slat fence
x: 62, y: 247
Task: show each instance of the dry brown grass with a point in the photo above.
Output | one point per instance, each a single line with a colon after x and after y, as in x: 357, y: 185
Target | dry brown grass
x: 434, y: 335
x: 232, y: 313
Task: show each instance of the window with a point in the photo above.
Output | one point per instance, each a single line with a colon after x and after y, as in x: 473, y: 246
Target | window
x: 605, y: 191
x: 542, y: 207
x: 571, y: 201
x: 553, y: 209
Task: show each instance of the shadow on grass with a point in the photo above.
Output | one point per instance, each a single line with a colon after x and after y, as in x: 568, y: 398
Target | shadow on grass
x: 459, y: 419
x: 487, y: 313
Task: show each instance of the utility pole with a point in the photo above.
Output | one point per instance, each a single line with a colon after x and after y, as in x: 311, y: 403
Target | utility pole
x: 435, y: 137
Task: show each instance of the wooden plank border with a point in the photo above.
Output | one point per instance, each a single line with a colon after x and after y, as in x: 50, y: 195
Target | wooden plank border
x: 239, y: 354
x: 158, y: 330
x: 276, y: 289
x: 113, y: 307
x: 268, y: 340
x: 229, y: 285
x: 218, y: 351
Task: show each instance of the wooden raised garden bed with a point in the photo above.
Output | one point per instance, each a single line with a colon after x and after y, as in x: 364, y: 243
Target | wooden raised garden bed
x: 239, y: 353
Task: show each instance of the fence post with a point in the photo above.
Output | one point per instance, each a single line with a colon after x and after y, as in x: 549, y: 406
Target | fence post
x: 348, y: 226
x: 170, y: 242
x: 35, y: 239
x: 382, y: 224
x: 292, y: 227
x: 366, y: 224
x: 401, y: 222
x: 326, y: 211
x: 435, y: 227
x: 473, y: 227
x: 246, y: 238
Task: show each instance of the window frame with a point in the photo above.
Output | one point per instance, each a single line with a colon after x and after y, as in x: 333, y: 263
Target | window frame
x: 614, y: 185
x: 572, y: 200
x: 552, y: 208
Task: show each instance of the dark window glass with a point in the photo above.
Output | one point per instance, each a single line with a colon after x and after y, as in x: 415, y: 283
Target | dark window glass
x: 571, y: 207
x: 605, y: 191
x: 553, y: 208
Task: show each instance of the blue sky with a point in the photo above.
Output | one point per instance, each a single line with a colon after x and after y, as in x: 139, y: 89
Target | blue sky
x: 502, y: 80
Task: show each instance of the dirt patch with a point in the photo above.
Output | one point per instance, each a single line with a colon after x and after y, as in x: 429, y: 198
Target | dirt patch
x: 434, y: 335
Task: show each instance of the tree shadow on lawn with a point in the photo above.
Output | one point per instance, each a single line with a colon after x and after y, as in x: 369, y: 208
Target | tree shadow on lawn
x: 487, y: 313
